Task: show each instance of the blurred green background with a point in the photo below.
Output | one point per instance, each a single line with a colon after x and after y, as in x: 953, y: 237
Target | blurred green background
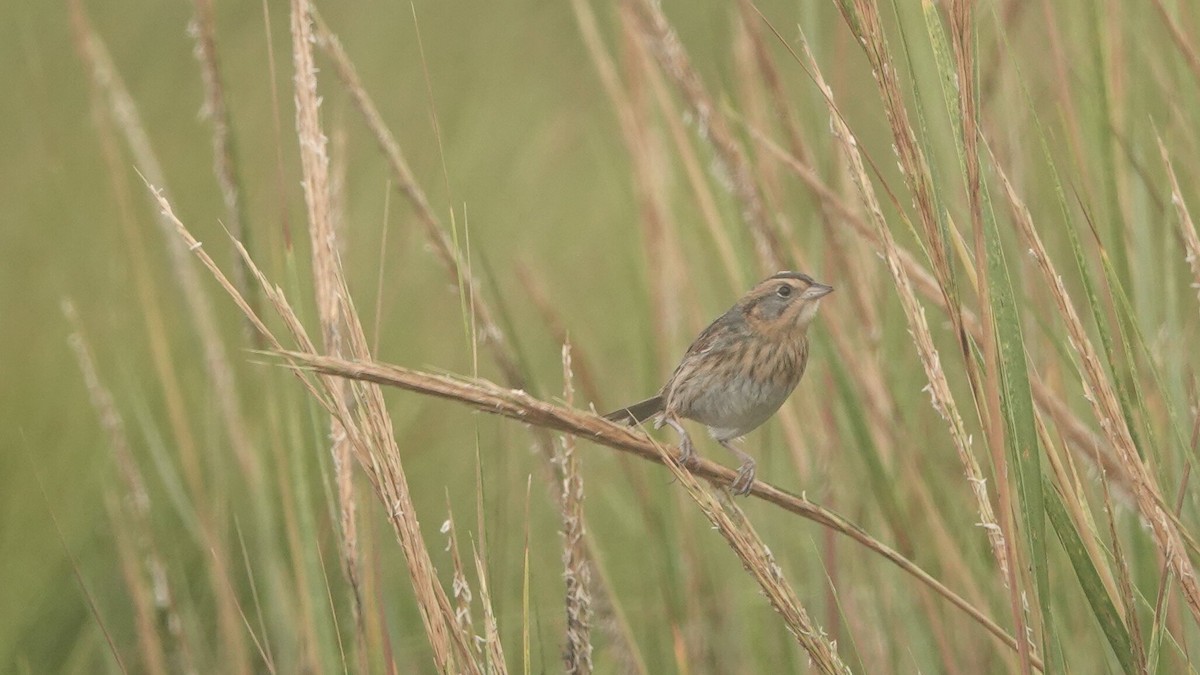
x: 532, y: 170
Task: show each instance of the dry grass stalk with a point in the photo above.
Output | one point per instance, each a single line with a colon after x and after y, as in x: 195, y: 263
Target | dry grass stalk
x: 865, y: 311
x: 1075, y: 501
x: 369, y: 429
x: 486, y: 646
x: 492, y: 647
x: 636, y: 133
x: 864, y: 21
x: 713, y: 128
x: 485, y: 327
x: 314, y: 162
x: 606, y: 615
x: 512, y: 403
x: 112, y: 88
x: 666, y: 284
x: 774, y: 84
x: 1064, y: 68
x: 691, y: 163
x: 451, y: 258
x: 460, y: 588
x: 757, y: 559
x: 1187, y: 228
x: 281, y: 191
x: 1099, y: 392
x: 518, y: 405
x: 752, y: 94
x: 1085, y: 442
x: 141, y: 595
x: 203, y: 30
x: 939, y: 388
x: 577, y: 570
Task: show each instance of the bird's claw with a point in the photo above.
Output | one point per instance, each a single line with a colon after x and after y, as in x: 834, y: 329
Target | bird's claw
x: 687, y: 453
x: 744, y: 481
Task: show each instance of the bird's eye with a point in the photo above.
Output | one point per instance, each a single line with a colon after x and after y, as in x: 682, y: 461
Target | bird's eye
x: 784, y: 291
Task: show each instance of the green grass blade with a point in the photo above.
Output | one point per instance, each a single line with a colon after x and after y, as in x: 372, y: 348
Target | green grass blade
x: 1099, y: 601
x: 1016, y: 400
x: 1016, y: 404
x: 1089, y: 579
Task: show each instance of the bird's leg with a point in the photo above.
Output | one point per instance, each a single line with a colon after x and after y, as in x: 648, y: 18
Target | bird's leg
x: 687, y: 453
x: 745, y: 475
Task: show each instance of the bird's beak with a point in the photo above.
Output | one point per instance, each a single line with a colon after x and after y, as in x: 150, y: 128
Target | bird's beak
x: 817, y: 291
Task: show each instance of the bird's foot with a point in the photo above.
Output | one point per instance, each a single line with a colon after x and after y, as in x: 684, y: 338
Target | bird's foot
x: 687, y: 453
x: 745, y: 479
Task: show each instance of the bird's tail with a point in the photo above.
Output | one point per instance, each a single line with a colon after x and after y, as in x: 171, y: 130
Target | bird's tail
x: 638, y: 412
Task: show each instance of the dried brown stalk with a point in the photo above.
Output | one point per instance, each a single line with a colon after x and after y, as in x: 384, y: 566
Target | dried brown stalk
x: 111, y: 88
x: 314, y: 162
x: 512, y: 403
x: 1187, y: 228
x: 451, y: 257
x: 712, y: 126
x: 493, y: 648
x: 518, y: 405
x: 606, y: 615
x: 460, y: 587
x: 369, y: 428
x: 204, y: 32
x: 577, y: 569
x: 862, y: 17
x: 757, y: 559
x: 939, y: 388
x: 701, y: 187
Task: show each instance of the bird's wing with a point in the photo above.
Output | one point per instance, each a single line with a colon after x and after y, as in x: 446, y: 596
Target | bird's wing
x: 714, y: 338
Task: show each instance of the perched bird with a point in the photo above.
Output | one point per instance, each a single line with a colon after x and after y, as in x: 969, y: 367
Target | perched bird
x: 739, y: 370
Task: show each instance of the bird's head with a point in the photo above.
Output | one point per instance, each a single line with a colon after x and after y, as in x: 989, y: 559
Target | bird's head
x: 785, y: 302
